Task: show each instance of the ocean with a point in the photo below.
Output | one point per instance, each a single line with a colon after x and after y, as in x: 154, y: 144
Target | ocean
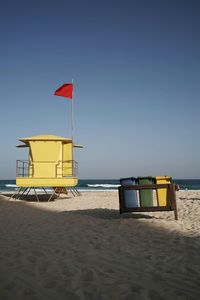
x: 9, y: 186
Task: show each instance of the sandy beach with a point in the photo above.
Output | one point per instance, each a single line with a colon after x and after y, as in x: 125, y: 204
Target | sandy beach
x: 81, y: 248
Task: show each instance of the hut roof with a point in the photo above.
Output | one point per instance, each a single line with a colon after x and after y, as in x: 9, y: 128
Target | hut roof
x: 45, y: 137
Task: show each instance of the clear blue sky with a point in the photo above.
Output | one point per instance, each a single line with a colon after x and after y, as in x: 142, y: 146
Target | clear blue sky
x: 136, y: 69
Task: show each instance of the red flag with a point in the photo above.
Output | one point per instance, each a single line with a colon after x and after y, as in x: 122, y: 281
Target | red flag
x: 65, y: 90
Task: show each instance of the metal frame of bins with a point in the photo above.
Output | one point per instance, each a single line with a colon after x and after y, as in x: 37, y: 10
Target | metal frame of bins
x: 170, y: 204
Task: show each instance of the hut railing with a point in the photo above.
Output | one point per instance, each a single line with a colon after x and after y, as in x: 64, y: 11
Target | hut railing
x: 66, y: 168
x: 22, y: 168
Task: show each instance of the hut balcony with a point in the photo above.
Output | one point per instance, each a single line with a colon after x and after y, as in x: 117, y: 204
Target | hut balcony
x: 47, y: 173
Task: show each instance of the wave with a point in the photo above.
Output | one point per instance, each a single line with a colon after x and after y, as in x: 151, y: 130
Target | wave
x: 95, y: 190
x: 11, y: 185
x: 103, y: 185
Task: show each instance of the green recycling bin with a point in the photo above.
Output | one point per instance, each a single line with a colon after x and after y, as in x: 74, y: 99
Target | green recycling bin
x: 146, y: 196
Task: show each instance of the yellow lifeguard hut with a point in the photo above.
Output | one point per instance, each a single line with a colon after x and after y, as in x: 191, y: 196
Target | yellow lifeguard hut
x: 50, y: 163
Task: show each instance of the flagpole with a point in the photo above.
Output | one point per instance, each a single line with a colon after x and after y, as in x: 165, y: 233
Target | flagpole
x: 72, y: 115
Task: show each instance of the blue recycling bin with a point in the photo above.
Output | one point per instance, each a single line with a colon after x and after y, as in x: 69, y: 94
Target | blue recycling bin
x: 130, y: 196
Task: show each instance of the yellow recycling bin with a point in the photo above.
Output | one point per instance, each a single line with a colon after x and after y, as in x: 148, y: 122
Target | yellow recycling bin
x: 162, y: 192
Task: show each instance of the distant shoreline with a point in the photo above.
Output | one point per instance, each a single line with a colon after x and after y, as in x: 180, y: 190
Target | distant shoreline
x: 94, y: 185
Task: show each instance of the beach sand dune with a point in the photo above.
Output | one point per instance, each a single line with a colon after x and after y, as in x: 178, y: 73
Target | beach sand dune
x: 81, y: 248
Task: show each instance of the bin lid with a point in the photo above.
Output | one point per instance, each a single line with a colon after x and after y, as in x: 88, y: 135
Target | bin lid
x: 133, y: 179
x: 145, y: 177
x: 163, y: 177
x: 128, y: 181
x: 128, y: 178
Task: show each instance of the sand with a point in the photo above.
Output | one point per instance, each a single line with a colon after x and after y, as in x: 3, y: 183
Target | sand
x: 81, y: 248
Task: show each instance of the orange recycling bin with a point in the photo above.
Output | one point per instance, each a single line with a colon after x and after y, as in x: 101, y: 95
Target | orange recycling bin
x: 162, y: 192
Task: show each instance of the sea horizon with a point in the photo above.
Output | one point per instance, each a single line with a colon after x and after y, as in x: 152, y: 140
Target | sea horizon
x: 91, y: 185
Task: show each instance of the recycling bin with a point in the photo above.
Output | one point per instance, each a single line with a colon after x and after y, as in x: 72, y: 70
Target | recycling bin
x: 146, y: 195
x: 162, y: 192
x: 130, y: 196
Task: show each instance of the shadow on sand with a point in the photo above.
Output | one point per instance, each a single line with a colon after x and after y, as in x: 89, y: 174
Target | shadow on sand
x: 33, y: 198
x: 107, y: 214
x: 93, y: 254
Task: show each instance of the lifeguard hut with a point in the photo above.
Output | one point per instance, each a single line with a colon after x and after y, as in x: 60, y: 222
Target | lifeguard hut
x: 50, y: 164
